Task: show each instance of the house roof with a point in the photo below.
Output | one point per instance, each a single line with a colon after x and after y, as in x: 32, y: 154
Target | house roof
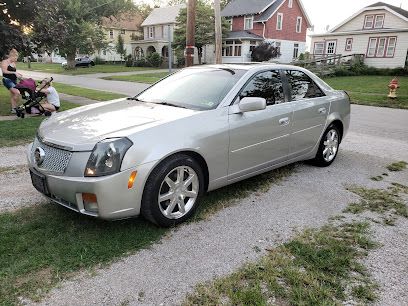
x: 265, y: 8
x: 246, y: 7
x: 127, y: 21
x: 394, y: 8
x: 163, y: 15
x: 243, y: 35
x: 375, y: 6
x: 269, y: 11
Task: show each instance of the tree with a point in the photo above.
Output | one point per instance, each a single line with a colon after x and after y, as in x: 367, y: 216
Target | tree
x: 75, y: 26
x: 120, y: 47
x: 204, y: 29
x: 264, y: 52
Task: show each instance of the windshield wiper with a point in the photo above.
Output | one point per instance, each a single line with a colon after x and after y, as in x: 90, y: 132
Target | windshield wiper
x: 135, y: 99
x: 169, y: 104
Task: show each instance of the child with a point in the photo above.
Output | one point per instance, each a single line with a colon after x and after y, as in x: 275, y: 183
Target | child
x: 53, y: 101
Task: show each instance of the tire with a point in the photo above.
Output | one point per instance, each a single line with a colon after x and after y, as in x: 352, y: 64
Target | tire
x: 92, y: 64
x: 166, y: 201
x: 328, y: 147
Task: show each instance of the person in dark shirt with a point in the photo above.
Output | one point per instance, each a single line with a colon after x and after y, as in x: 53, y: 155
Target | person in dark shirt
x: 10, y: 77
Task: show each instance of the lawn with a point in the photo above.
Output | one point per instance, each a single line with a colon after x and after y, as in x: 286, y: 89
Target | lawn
x: 148, y: 78
x: 372, y: 90
x: 57, y: 68
x: 22, y: 131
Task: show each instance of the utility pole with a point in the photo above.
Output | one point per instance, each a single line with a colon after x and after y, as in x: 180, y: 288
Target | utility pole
x: 190, y: 41
x: 218, y: 32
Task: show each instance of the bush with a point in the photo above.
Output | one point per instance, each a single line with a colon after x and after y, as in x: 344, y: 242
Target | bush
x: 154, y: 59
x: 129, y: 61
x: 359, y: 68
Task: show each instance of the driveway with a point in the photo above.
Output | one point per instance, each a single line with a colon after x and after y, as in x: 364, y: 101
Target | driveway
x: 197, y: 252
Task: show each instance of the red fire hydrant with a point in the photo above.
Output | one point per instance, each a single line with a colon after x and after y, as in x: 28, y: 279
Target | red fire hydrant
x: 393, y: 88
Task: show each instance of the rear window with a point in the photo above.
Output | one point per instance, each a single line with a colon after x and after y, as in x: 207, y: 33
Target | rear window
x: 302, y: 86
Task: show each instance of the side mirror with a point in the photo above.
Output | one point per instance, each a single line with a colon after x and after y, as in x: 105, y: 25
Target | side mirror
x: 250, y: 104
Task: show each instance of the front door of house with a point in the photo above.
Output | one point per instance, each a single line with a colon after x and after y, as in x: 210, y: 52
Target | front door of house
x: 331, y: 47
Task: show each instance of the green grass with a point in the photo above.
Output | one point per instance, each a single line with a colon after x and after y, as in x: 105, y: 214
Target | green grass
x: 57, y: 68
x: 148, y: 78
x: 398, y: 166
x: 87, y: 93
x: 21, y: 131
x: 61, y: 88
x: 372, y: 90
x: 316, y: 268
x: 386, y: 202
x: 41, y: 245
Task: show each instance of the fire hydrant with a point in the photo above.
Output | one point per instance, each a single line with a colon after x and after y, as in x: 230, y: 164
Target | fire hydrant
x: 393, y: 88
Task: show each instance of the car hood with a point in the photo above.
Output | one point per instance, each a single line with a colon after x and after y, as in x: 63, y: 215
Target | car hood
x: 79, y: 129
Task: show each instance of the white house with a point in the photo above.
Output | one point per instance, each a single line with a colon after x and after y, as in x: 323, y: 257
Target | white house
x: 378, y: 31
x: 156, y: 35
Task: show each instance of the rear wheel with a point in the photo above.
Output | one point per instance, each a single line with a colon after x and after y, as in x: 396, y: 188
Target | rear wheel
x: 328, y: 148
x: 172, y: 191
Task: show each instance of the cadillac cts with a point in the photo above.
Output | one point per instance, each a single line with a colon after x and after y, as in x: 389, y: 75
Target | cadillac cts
x: 202, y: 128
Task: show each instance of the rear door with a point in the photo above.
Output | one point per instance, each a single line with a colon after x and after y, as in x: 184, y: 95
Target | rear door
x: 311, y: 107
x: 259, y: 139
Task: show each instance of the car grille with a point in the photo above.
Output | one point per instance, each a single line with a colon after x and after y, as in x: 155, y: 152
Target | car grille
x: 55, y: 160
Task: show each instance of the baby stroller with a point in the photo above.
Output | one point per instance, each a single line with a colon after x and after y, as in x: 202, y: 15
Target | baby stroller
x: 28, y: 92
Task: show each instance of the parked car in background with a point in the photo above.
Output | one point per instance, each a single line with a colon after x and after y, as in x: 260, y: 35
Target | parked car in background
x: 84, y: 61
x: 200, y: 129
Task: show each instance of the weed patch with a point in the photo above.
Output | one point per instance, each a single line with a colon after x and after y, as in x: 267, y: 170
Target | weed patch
x: 316, y: 268
x: 399, y: 166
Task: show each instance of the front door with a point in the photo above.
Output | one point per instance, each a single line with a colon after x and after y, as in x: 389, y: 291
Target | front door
x: 259, y: 139
x: 331, y: 47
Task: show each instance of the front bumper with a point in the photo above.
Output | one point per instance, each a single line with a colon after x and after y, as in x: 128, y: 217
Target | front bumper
x: 115, y: 200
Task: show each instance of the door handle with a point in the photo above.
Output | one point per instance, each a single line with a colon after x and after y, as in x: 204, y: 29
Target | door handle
x: 322, y: 110
x: 284, y: 121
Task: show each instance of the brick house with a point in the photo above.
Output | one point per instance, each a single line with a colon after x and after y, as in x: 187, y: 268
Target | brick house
x: 378, y: 31
x: 281, y: 22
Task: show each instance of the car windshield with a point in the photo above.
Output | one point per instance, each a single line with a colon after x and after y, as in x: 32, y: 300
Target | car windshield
x: 194, y: 88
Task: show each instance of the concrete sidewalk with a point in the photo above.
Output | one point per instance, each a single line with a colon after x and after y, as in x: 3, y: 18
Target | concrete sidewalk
x: 90, y: 81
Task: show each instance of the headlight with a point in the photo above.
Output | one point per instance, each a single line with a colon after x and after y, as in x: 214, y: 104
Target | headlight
x: 107, y: 156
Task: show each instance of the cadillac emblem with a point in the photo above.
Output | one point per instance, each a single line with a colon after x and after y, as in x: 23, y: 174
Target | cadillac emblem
x: 39, y: 156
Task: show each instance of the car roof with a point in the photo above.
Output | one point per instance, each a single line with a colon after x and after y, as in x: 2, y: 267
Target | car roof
x: 250, y: 66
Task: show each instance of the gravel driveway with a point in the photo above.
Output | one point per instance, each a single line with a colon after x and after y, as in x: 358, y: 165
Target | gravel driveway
x: 197, y: 252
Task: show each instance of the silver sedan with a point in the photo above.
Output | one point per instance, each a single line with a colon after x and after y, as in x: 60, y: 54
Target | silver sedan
x: 197, y: 130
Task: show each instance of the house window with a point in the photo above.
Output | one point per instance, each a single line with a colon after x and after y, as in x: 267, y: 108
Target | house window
x: 123, y: 31
x: 111, y: 34
x: 368, y: 22
x: 392, y: 42
x: 349, y: 44
x: 319, y: 48
x: 290, y: 3
x: 295, y: 50
x: 298, y: 24
x: 249, y: 22
x: 379, y: 21
x: 232, y: 48
x: 229, y: 22
x: 279, y: 22
x: 381, y: 46
x: 151, y: 32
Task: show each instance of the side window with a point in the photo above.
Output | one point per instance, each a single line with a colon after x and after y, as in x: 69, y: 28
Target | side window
x: 302, y: 86
x: 266, y: 85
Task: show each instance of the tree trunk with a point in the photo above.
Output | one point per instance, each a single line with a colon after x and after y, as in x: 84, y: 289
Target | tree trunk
x: 71, y: 61
x: 200, y: 54
x: 29, y: 61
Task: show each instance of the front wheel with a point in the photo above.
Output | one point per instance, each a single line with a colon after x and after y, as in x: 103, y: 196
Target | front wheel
x: 172, y: 191
x: 328, y: 147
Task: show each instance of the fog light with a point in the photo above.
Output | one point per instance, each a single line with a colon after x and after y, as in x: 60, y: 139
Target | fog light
x: 90, y: 202
x: 132, y: 179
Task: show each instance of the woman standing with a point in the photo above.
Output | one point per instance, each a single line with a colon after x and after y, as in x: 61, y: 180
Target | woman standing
x: 10, y: 76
